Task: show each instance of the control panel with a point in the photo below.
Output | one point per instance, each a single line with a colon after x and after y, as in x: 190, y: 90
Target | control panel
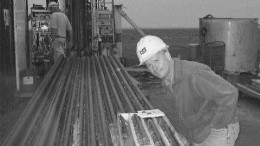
x: 41, y: 39
x: 105, y: 30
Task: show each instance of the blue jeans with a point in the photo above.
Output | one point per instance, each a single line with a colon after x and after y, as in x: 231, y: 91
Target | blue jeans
x: 222, y: 137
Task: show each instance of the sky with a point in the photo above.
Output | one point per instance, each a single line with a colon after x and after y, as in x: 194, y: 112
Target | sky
x: 181, y: 13
x: 185, y: 13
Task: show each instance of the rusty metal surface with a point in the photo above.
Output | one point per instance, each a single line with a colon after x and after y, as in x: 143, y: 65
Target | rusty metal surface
x: 77, y: 101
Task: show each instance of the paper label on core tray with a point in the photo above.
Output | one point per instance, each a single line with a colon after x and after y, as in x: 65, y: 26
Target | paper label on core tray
x: 150, y: 113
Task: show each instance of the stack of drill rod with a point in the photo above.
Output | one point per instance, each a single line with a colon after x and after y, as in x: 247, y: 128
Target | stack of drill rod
x: 76, y: 102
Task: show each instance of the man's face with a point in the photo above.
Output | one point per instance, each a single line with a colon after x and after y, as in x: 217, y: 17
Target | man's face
x: 158, y: 64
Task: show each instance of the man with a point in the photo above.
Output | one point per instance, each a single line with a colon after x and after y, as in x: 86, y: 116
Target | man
x: 206, y: 103
x: 59, y: 25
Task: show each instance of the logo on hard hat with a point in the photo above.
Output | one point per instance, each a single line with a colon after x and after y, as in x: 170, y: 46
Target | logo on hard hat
x: 143, y: 51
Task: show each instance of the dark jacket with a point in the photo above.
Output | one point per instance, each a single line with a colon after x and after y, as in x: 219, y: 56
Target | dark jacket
x: 204, y: 99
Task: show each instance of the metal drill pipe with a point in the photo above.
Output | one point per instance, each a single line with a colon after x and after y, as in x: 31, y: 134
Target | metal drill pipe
x: 40, y: 111
x: 97, y: 116
x: 169, y: 135
x: 85, y: 115
x: 21, y: 123
x: 66, y: 112
x: 76, y: 108
x: 39, y: 117
x: 135, y: 87
x: 164, y: 139
x: 48, y: 123
x: 108, y: 98
x: 136, y: 102
x: 74, y: 128
x: 92, y: 137
x: 81, y: 102
x: 147, y: 130
x: 121, y: 109
x: 53, y: 134
x: 28, y: 110
x: 154, y: 132
x: 136, y: 98
x: 119, y: 85
x: 100, y: 103
x: 68, y: 124
x: 99, y: 124
x: 45, y: 126
x: 35, y: 123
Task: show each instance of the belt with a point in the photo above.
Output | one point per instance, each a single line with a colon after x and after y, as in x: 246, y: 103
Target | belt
x: 234, y: 121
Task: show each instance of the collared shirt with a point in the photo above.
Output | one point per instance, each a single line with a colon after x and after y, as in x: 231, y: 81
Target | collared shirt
x: 204, y: 99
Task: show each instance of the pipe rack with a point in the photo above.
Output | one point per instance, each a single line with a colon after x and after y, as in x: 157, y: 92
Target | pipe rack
x: 76, y: 102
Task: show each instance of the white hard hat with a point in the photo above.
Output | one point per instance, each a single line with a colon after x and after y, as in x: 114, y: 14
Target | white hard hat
x: 53, y: 4
x: 149, y: 46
